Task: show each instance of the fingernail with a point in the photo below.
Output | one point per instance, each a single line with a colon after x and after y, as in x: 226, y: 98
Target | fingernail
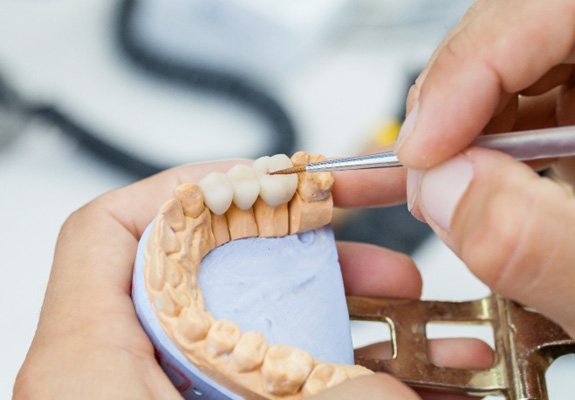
x: 407, y: 127
x: 412, y: 186
x: 442, y: 188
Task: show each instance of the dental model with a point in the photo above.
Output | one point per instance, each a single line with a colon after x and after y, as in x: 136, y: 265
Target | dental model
x: 245, y: 202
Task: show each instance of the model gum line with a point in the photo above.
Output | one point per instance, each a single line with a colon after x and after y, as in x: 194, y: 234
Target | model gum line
x: 244, y: 202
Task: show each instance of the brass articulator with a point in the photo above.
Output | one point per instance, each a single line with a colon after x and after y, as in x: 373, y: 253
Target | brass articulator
x: 526, y: 343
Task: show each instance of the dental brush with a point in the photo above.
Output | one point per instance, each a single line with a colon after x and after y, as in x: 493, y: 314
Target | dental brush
x: 523, y: 146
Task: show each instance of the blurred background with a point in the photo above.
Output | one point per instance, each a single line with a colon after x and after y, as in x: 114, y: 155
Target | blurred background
x: 97, y: 94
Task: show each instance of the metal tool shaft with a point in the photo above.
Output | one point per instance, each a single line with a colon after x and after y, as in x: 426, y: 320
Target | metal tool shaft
x: 524, y: 145
x: 379, y: 160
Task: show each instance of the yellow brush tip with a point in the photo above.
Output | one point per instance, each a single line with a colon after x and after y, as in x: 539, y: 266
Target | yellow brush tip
x: 296, y: 169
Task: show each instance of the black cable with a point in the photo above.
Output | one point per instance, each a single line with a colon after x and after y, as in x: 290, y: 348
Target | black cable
x: 194, y: 77
x: 209, y: 79
x: 92, y: 142
x: 13, y: 113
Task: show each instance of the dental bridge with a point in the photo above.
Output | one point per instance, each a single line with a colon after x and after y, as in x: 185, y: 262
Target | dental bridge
x: 248, y: 202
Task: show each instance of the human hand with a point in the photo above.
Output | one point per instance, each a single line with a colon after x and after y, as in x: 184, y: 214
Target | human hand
x: 89, y: 343
x: 374, y: 275
x: 507, y: 66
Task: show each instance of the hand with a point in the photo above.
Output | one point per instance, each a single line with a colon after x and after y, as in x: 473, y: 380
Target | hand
x: 372, y: 271
x: 89, y: 343
x: 506, y: 66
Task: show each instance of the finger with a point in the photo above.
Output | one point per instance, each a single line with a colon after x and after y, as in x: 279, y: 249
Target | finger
x: 369, y: 188
x: 370, y: 270
x: 505, y: 118
x: 565, y: 107
x: 377, y: 386
x: 95, y: 253
x: 537, y: 112
x: 565, y: 170
x: 475, y: 9
x: 556, y: 76
x: 462, y: 353
x: 504, y: 50
x: 513, y: 229
x: 521, y: 113
x: 565, y: 114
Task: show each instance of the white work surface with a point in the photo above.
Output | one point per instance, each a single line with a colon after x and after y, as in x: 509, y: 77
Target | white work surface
x: 44, y: 176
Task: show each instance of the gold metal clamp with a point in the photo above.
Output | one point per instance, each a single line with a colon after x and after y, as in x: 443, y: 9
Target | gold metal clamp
x: 526, y: 343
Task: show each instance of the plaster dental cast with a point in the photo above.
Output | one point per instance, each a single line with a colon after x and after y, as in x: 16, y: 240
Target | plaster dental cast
x: 506, y: 66
x: 244, y: 202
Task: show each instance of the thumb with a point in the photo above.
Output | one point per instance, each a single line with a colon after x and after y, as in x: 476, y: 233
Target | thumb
x: 376, y: 386
x: 502, y: 47
x: 513, y: 229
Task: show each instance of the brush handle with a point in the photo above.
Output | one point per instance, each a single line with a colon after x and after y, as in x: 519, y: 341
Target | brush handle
x: 532, y: 145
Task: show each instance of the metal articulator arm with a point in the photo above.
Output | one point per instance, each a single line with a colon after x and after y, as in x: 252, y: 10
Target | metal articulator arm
x: 525, y: 345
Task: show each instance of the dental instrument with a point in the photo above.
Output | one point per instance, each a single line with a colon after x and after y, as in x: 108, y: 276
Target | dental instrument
x: 523, y: 145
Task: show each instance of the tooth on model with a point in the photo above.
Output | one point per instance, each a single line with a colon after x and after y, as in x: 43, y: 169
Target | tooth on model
x: 169, y: 302
x: 353, y: 371
x: 193, y: 324
x: 218, y: 192
x: 172, y: 272
x: 316, y: 186
x: 191, y: 198
x: 174, y: 214
x: 241, y: 223
x: 245, y: 184
x: 222, y: 337
x: 249, y: 351
x: 285, y: 369
x: 220, y: 229
x: 271, y: 221
x: 199, y: 239
x: 322, y: 377
x: 181, y: 297
x: 275, y: 189
x: 166, y: 236
x: 305, y: 215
